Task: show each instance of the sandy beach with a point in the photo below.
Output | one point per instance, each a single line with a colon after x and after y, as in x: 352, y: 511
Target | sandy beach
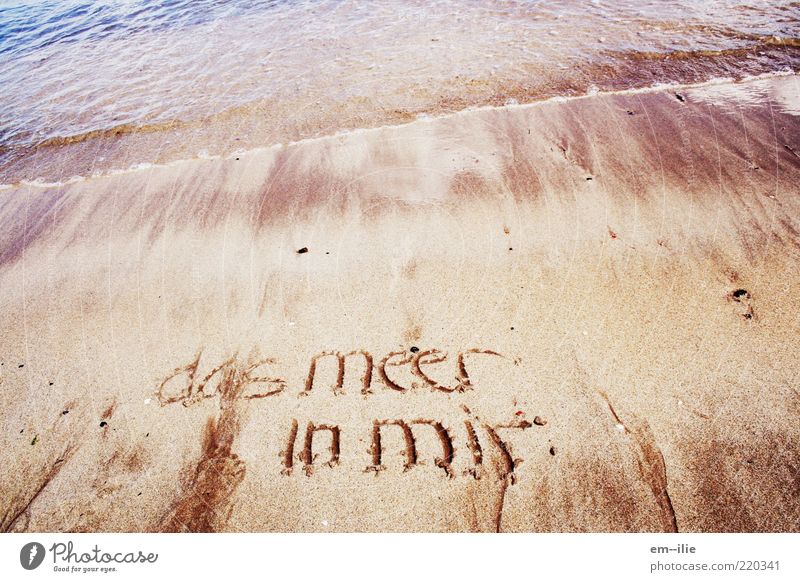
x: 573, y: 315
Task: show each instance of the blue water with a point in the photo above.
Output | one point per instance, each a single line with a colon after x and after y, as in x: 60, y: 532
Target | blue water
x: 28, y: 27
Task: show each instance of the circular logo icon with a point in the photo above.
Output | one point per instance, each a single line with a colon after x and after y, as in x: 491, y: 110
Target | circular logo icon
x: 31, y: 555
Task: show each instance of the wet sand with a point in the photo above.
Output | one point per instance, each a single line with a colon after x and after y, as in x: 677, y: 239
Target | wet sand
x: 576, y: 315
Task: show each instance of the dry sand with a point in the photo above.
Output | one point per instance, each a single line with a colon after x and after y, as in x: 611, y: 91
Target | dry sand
x: 613, y: 280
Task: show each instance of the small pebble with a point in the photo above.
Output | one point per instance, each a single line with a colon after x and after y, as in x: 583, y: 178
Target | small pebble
x: 539, y: 421
x: 302, y: 251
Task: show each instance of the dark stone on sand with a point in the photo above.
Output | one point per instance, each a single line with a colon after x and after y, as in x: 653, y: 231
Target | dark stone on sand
x: 739, y: 293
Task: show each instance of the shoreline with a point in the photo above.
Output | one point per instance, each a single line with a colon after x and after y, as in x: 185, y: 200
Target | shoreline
x: 143, y: 166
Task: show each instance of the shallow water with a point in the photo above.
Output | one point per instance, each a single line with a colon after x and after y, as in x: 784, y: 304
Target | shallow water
x: 74, y: 71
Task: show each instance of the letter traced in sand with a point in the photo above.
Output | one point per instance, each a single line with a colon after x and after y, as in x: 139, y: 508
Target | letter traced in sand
x: 376, y: 449
x: 506, y: 465
x: 308, y: 456
x: 338, y: 388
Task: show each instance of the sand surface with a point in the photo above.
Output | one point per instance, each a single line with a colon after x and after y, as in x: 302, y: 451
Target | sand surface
x: 570, y: 316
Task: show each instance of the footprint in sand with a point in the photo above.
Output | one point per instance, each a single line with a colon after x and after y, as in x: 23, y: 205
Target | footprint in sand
x: 741, y: 299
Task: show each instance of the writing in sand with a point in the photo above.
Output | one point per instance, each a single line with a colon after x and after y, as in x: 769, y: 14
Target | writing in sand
x: 235, y: 380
